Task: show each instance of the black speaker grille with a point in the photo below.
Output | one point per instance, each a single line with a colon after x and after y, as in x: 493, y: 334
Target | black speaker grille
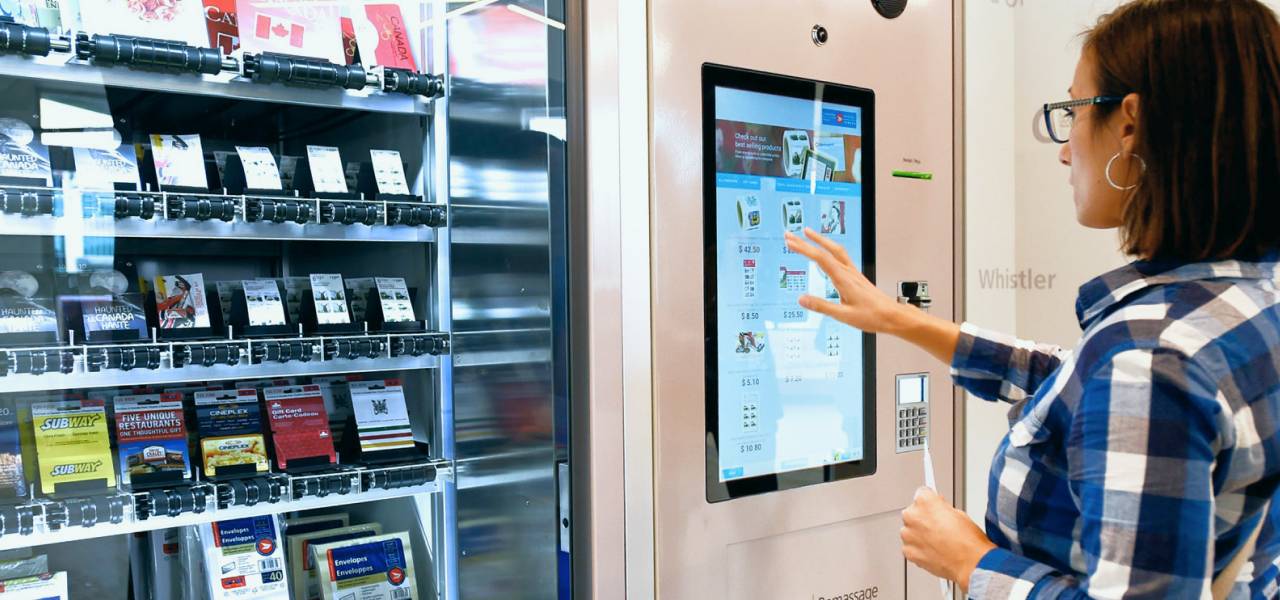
x: 889, y: 9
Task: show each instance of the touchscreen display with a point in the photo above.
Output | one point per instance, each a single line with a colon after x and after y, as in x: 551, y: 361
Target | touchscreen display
x: 789, y: 384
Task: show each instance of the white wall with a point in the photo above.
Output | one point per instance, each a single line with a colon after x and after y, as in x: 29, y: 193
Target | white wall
x: 1020, y: 54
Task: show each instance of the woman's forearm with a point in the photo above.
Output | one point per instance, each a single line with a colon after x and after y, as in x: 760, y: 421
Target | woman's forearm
x: 934, y: 335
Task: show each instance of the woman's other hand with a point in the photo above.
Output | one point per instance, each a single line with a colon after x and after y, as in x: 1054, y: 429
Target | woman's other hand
x: 865, y: 307
x: 861, y: 304
x: 942, y: 540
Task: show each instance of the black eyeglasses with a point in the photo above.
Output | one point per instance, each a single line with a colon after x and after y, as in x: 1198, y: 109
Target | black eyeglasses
x: 1059, y: 117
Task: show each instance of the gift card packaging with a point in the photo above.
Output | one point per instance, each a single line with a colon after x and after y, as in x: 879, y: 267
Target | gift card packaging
x: 180, y: 302
x: 359, y: 296
x: 179, y: 20
x: 388, y: 172
x: 230, y: 425
x: 21, y: 153
x: 259, y: 384
x: 49, y: 586
x: 179, y: 161
x: 325, y: 163
x: 260, y: 169
x: 305, y: 580
x: 220, y: 22
x: 97, y: 168
x: 393, y: 294
x: 243, y: 559
x: 296, y: 526
x: 337, y: 400
x: 297, y: 27
x: 382, y: 418
x: 227, y: 291
x: 27, y: 315
x: 111, y: 314
x: 330, y: 297
x: 376, y: 567
x: 384, y: 36
x: 262, y: 297
x: 299, y: 424
x: 295, y: 288
x: 151, y: 435
x: 72, y: 443
x: 13, y: 481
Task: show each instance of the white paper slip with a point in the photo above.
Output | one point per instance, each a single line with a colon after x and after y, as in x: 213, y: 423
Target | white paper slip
x: 260, y: 169
x: 388, y: 172
x: 327, y: 175
x: 932, y: 483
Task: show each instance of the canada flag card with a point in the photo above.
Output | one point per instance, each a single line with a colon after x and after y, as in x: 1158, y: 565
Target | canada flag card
x: 299, y: 27
x: 385, y: 38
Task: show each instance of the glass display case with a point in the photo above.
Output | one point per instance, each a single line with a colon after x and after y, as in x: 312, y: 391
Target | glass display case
x: 277, y: 299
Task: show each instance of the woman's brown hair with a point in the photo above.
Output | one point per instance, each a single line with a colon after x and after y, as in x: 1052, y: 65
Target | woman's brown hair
x: 1207, y: 74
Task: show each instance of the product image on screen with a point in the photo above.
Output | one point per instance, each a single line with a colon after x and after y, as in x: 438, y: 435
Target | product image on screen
x: 786, y: 387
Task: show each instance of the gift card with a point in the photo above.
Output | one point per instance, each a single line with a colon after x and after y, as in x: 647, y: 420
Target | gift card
x: 330, y: 298
x: 384, y: 37
x: 21, y: 153
x: 382, y: 418
x: 298, y: 27
x: 72, y: 443
x: 151, y: 435
x: 220, y: 22
x: 102, y: 169
x: 260, y: 170
x: 299, y: 423
x: 262, y: 297
x: 388, y: 172
x: 179, y: 161
x: 393, y: 295
x: 178, y: 20
x: 326, y: 169
x: 181, y: 302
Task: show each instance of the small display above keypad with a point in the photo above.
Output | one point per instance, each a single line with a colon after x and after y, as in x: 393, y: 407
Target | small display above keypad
x: 912, y: 411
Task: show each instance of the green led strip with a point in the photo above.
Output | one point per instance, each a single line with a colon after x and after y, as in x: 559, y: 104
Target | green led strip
x: 913, y: 175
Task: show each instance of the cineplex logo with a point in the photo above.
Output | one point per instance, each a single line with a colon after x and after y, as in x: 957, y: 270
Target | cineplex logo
x: 1009, y: 279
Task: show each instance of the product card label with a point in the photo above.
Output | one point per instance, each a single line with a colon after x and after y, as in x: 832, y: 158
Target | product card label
x: 394, y: 297
x: 330, y: 297
x: 106, y: 313
x: 21, y: 153
x: 377, y: 568
x: 299, y: 423
x: 13, y: 481
x: 326, y: 169
x: 151, y: 435
x: 181, y: 302
x: 179, y: 160
x: 382, y: 417
x: 72, y: 443
x: 388, y: 172
x: 102, y: 169
x: 260, y: 169
x: 244, y: 560
x: 259, y: 384
x: 22, y: 315
x: 262, y: 297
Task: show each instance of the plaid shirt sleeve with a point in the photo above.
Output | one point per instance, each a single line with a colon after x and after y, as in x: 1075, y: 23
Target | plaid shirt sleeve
x: 994, y: 366
x: 1141, y: 445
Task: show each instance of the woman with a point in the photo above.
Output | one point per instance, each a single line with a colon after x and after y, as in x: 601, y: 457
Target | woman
x: 1140, y: 464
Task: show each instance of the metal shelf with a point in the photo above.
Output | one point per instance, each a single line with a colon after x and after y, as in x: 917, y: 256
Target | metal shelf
x: 80, y: 375
x: 91, y: 213
x: 43, y: 535
x: 66, y: 71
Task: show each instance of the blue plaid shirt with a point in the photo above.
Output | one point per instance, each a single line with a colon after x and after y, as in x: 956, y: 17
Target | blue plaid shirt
x: 1139, y: 463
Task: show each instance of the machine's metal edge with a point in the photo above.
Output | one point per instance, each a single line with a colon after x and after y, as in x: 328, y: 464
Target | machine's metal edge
x: 960, y: 284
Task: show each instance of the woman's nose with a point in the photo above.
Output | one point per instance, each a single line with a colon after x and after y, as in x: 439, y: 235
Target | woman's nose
x: 1064, y: 154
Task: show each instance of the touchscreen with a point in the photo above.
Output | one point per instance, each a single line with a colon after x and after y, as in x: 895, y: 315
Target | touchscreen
x: 790, y: 381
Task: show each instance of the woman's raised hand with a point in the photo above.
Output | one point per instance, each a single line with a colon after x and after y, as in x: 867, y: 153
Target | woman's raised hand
x: 861, y: 305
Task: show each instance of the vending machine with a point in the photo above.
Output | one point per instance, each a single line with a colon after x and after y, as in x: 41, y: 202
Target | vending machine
x: 769, y: 450
x: 277, y: 296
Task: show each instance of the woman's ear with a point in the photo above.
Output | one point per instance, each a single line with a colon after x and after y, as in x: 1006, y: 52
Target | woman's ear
x: 1128, y: 121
